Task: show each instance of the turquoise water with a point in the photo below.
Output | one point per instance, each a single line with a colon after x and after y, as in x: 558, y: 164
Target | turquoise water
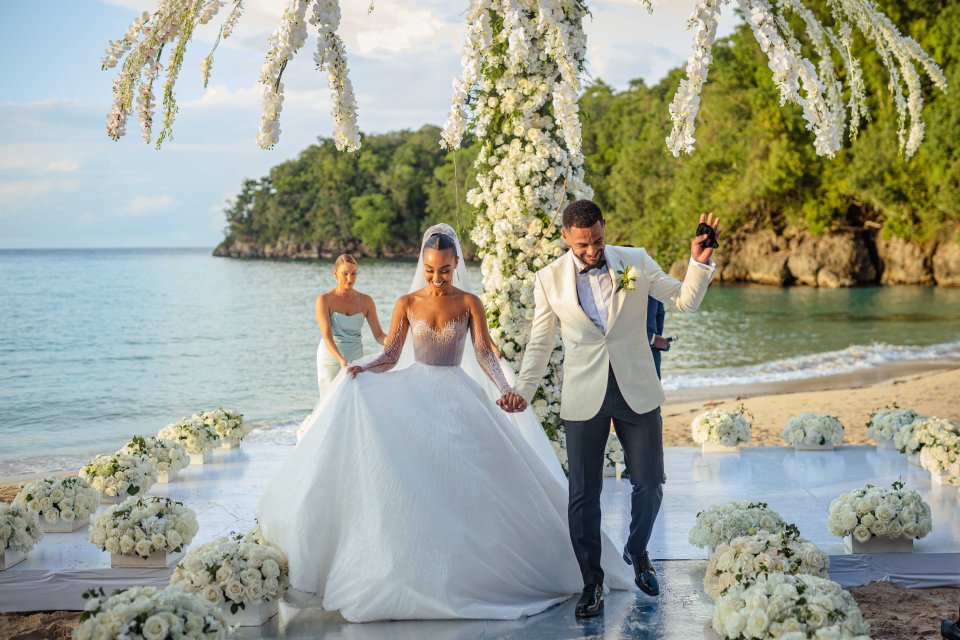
x: 97, y: 345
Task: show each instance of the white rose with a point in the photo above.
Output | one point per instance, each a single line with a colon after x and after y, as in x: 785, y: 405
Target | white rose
x: 254, y: 592
x: 234, y: 590
x: 213, y: 595
x: 110, y: 545
x: 155, y: 628
x: 143, y: 548
x: 126, y: 544
x: 67, y: 515
x: 271, y: 586
x: 249, y: 576
x: 174, y: 539
x: 757, y: 623
x: 270, y: 568
x: 50, y: 515
x: 861, y: 533
x: 225, y: 573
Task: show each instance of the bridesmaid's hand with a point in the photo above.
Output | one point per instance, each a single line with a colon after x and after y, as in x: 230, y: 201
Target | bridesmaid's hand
x: 353, y: 371
x: 343, y: 362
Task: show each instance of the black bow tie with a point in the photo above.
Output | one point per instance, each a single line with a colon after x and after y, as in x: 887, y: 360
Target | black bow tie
x: 602, y: 265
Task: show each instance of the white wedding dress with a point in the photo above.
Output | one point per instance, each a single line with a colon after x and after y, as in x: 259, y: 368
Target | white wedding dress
x: 413, y: 496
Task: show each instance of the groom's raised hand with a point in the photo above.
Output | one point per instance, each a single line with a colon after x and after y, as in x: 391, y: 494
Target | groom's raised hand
x: 700, y: 253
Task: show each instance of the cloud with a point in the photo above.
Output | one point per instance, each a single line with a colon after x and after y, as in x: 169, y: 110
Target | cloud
x: 145, y: 205
x: 15, y: 192
x: 66, y: 165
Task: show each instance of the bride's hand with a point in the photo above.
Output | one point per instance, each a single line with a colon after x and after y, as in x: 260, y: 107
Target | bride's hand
x: 512, y: 402
x: 353, y: 371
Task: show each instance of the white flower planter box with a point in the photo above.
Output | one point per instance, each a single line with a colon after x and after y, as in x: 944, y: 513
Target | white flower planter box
x: 166, y: 477
x: 104, y: 499
x: 806, y: 446
x: 11, y: 557
x: 254, y: 615
x: 914, y: 458
x: 941, y: 478
x: 886, y: 444
x: 156, y: 560
x: 201, y: 458
x: 229, y: 443
x: 878, y: 545
x: 62, y: 526
x: 716, y: 447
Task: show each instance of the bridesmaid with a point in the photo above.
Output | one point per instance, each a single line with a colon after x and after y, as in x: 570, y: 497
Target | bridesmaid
x: 340, y: 314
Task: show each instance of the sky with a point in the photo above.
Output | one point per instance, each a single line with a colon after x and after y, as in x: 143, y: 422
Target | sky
x: 65, y: 183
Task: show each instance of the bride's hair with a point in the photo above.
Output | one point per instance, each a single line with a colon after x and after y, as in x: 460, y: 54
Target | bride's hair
x: 441, y: 242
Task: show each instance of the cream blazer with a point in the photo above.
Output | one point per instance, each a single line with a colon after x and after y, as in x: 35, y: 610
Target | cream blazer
x: 588, y: 354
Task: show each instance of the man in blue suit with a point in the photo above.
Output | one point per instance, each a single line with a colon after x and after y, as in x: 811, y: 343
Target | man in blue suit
x: 655, y: 317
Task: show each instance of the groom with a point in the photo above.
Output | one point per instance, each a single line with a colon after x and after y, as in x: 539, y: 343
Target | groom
x: 597, y: 295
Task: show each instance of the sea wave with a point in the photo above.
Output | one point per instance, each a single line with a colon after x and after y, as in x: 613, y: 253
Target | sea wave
x: 815, y: 365
x: 855, y: 358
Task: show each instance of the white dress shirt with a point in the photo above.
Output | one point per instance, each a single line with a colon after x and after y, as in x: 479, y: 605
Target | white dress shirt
x: 595, y: 291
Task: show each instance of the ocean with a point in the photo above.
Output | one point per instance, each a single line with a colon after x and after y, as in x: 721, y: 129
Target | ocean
x: 99, y: 345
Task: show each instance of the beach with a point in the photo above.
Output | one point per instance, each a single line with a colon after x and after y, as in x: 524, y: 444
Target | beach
x: 929, y: 388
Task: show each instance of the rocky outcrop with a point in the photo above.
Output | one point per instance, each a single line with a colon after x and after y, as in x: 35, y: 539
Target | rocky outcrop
x: 838, y: 259
x: 759, y: 257
x: 833, y: 260
x: 905, y: 262
x: 293, y: 250
x: 946, y: 264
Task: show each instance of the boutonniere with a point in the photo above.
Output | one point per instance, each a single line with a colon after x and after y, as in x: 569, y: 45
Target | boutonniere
x: 627, y: 277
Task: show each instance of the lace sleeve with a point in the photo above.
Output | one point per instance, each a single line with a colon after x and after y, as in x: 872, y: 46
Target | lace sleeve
x: 487, y: 359
x: 391, y: 350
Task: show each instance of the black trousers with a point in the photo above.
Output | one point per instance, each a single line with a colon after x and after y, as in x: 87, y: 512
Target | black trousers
x: 642, y: 438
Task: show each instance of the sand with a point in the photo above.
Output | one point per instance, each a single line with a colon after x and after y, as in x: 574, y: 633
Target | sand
x: 932, y: 393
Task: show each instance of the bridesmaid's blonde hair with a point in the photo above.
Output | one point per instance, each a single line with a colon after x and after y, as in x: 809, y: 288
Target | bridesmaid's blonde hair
x: 343, y: 258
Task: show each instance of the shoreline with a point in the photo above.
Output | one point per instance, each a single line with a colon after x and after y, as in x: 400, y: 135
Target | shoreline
x: 929, y: 387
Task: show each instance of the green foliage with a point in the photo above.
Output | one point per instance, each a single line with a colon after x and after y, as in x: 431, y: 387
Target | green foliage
x: 754, y: 165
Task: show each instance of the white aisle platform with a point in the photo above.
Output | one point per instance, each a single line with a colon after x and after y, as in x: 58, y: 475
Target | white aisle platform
x: 798, y: 485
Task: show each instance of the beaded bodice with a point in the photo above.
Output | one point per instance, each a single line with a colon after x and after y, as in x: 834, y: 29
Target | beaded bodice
x: 441, y: 347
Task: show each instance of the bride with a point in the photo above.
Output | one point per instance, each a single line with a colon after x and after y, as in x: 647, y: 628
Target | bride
x: 410, y: 494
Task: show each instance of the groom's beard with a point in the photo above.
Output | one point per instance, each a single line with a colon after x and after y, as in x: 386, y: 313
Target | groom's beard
x: 590, y: 261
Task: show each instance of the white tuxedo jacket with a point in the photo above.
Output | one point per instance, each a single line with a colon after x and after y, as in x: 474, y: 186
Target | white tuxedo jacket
x: 587, y: 352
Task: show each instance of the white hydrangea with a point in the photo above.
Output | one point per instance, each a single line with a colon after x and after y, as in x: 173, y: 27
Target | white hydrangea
x: 518, y: 93
x: 879, y: 511
x: 924, y: 432
x: 149, y: 613
x: 196, y: 436
x: 884, y: 425
x: 19, y: 527
x: 238, y: 572
x: 166, y: 456
x: 227, y: 424
x: 723, y: 522
x: 789, y: 607
x: 119, y: 475
x: 813, y: 428
x: 743, y: 559
x: 614, y: 451
x: 720, y: 426
x: 943, y: 454
x: 55, y: 499
x: 142, y: 526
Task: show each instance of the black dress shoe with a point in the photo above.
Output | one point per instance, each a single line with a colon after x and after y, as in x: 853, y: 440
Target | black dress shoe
x: 950, y: 630
x: 645, y: 576
x: 591, y: 602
